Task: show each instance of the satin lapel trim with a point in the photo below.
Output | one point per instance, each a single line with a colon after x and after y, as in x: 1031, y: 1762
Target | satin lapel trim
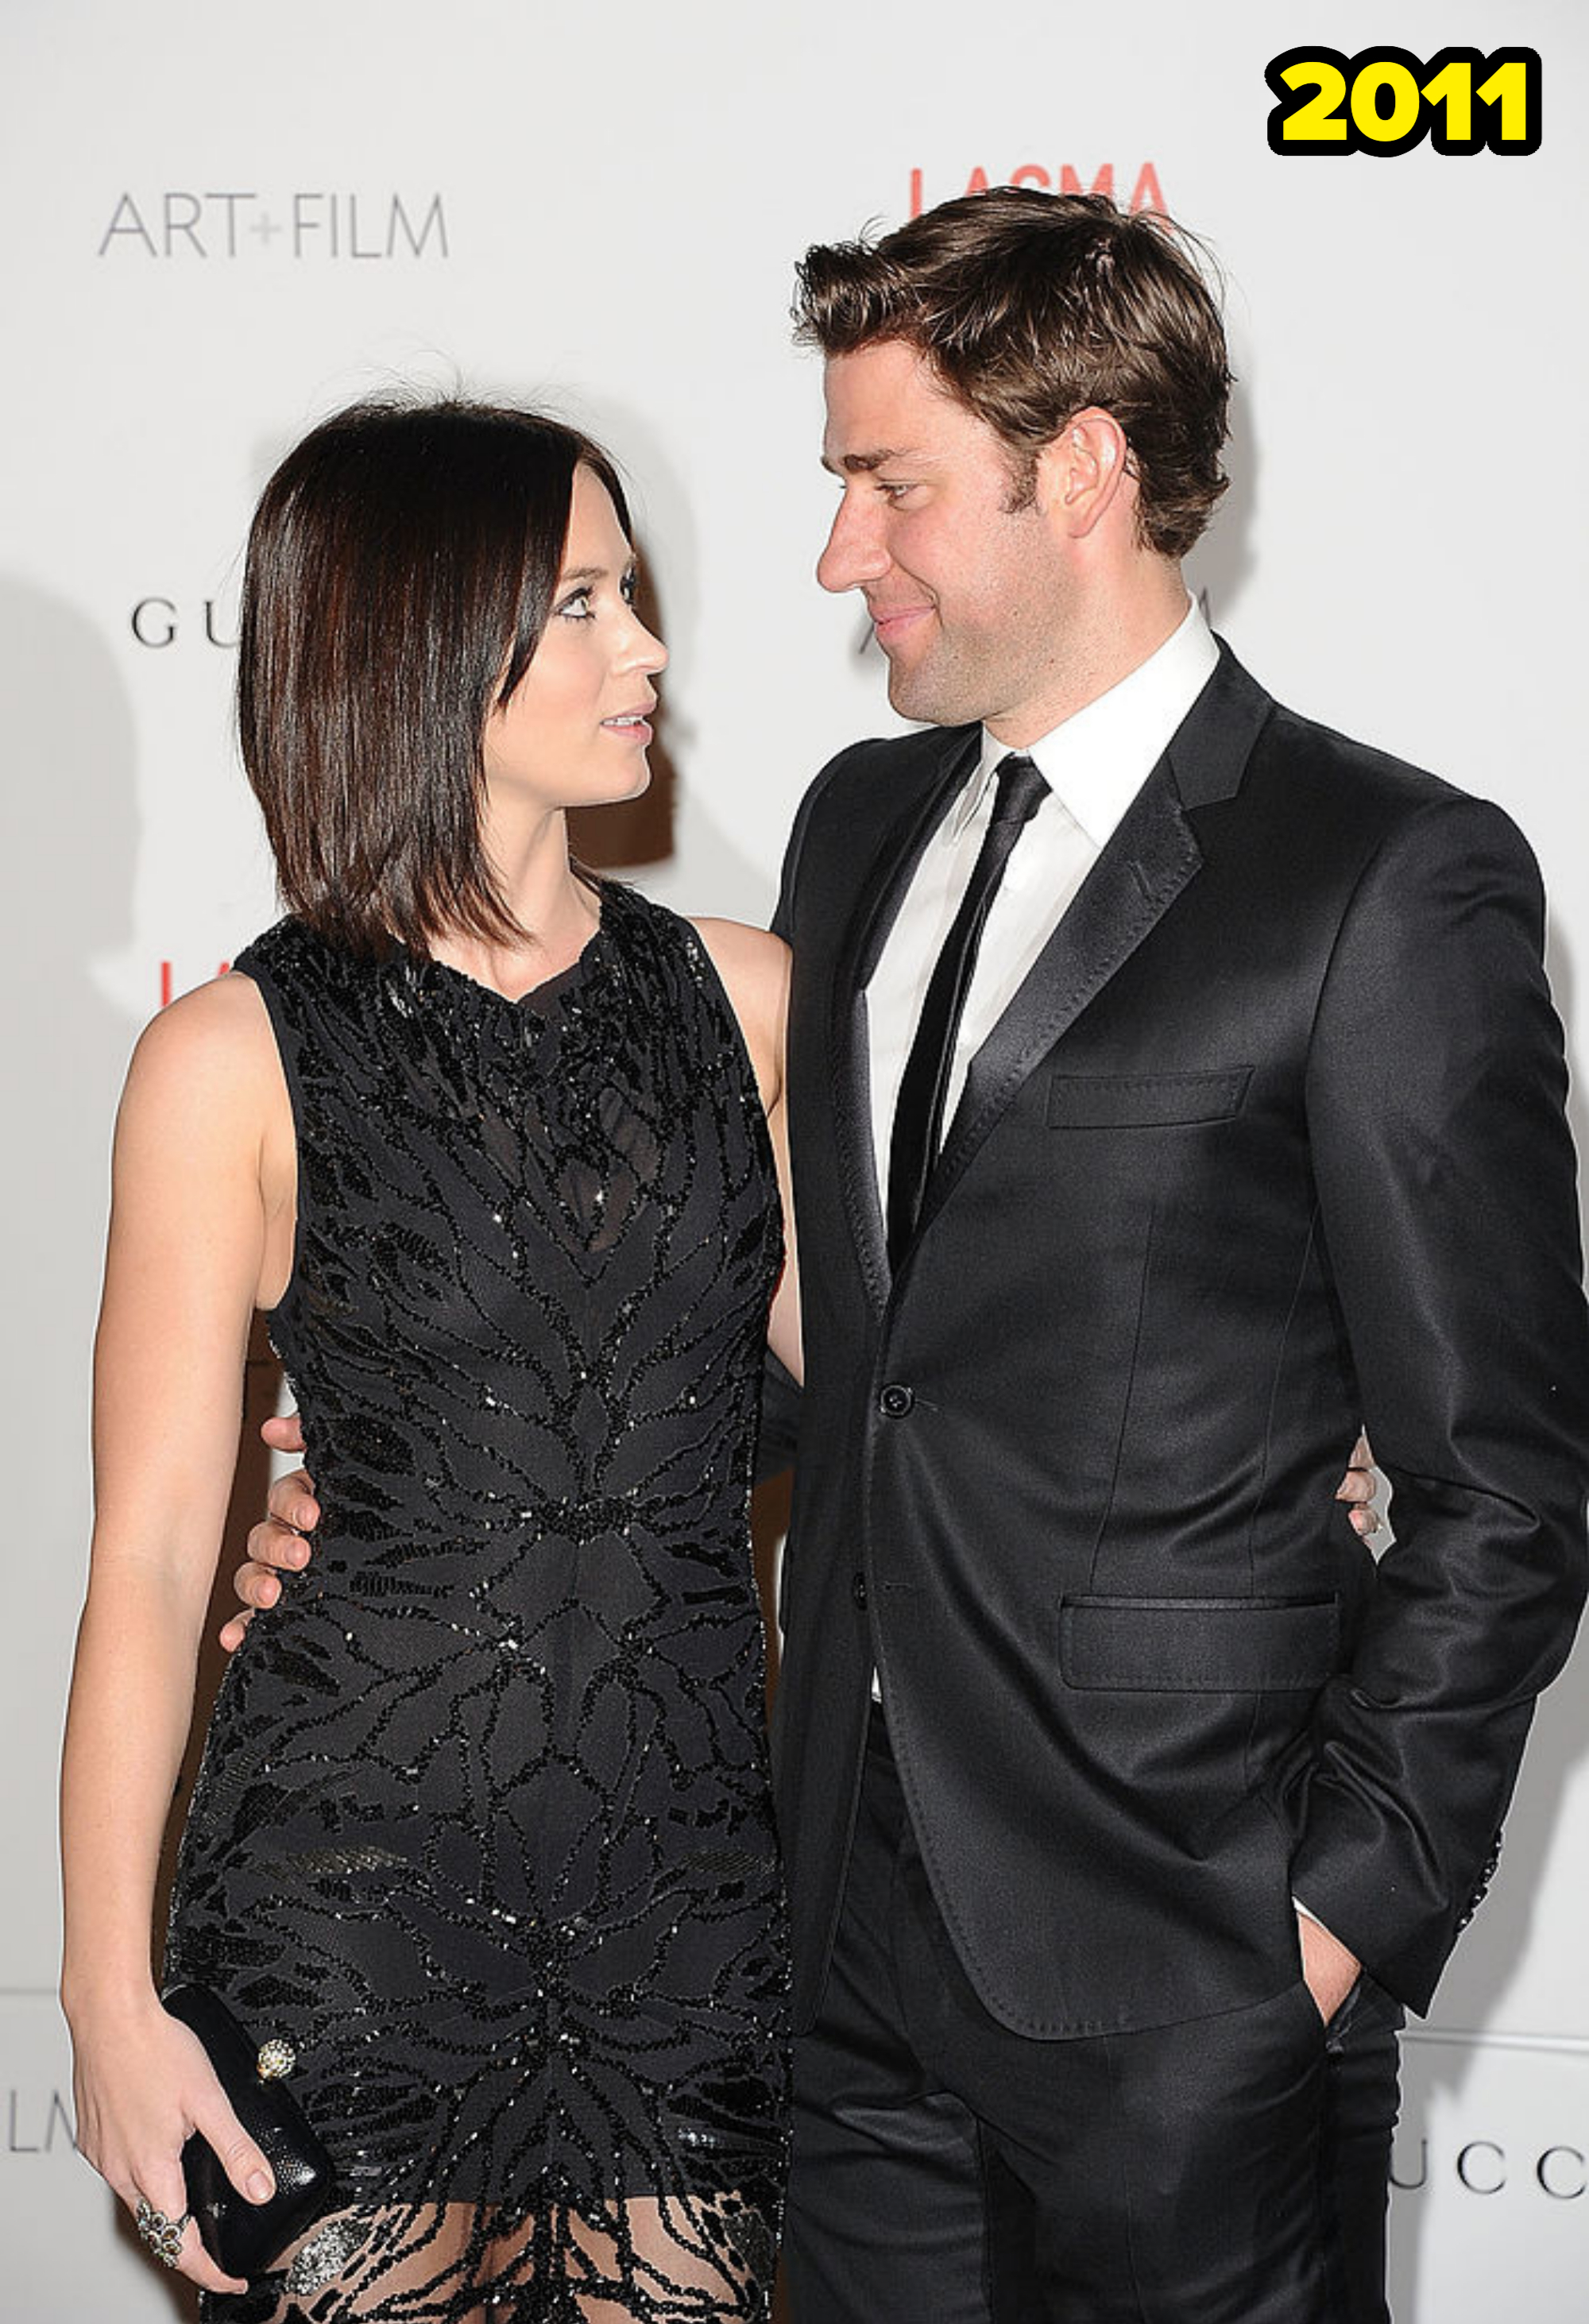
x: 888, y: 878
x: 1148, y: 862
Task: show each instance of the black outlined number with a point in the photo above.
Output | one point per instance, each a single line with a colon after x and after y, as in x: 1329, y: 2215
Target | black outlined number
x: 1384, y: 101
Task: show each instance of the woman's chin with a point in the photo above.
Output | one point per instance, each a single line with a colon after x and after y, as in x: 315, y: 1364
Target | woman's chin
x: 639, y: 783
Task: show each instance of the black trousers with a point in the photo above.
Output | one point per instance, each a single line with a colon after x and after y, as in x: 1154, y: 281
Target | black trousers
x: 1231, y: 2171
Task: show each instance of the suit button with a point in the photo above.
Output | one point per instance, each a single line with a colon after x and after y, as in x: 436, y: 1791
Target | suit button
x: 858, y: 1590
x: 895, y: 1402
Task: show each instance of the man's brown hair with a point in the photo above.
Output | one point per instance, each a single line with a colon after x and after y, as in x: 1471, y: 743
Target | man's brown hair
x: 1031, y: 307
x: 401, y: 567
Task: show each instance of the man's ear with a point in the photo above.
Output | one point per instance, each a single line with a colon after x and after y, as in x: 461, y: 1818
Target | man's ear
x: 1083, y: 473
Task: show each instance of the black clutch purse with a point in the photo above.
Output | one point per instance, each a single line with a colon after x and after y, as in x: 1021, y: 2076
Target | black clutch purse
x: 241, y: 2236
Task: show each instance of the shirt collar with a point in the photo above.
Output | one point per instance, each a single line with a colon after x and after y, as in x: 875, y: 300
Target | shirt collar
x: 1097, y: 760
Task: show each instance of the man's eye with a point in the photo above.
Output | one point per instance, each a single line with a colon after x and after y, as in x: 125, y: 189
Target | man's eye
x: 893, y: 492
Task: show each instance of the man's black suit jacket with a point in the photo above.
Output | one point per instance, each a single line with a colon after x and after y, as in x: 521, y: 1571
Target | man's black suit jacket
x: 1271, y: 1140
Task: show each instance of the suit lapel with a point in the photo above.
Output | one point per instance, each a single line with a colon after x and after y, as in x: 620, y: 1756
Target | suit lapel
x: 1149, y: 859
x: 882, y: 891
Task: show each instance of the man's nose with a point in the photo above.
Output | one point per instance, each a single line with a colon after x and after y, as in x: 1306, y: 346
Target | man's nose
x: 855, y: 553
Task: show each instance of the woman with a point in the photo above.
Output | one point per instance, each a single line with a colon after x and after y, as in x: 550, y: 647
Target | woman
x: 482, y: 1832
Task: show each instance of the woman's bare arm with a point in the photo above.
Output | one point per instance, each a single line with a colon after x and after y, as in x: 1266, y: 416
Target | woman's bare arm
x: 755, y: 968
x: 198, y: 1227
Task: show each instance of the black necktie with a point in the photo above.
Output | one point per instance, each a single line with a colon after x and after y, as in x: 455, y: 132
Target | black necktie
x: 919, y: 1116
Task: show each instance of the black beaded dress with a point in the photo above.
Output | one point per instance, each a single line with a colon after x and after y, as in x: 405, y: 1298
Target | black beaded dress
x: 483, y: 1829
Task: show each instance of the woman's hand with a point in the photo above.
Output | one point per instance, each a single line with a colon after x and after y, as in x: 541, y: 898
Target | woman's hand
x: 1357, y: 1488
x: 141, y: 2084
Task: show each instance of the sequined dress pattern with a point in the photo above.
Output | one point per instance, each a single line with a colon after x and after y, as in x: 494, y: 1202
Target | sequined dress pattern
x: 483, y: 1829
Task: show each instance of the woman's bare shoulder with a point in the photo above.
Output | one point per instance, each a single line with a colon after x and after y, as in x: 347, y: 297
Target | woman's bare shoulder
x: 756, y: 958
x: 212, y: 1044
x: 754, y: 967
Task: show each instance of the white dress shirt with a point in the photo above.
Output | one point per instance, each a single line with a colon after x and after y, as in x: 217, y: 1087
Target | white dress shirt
x: 1094, y: 764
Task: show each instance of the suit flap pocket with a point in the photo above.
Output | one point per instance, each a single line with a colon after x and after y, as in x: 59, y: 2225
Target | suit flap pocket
x: 1122, y: 1101
x: 1199, y: 1646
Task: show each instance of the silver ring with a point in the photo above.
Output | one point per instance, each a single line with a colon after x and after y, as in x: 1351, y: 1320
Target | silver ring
x: 159, y: 2234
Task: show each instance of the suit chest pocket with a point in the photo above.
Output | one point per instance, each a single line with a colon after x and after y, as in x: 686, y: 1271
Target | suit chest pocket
x: 1144, y: 1100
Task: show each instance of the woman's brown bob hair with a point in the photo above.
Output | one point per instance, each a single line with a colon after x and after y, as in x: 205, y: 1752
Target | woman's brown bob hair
x: 401, y: 568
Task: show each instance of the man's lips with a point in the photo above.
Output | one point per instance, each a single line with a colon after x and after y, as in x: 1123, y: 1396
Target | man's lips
x: 892, y: 622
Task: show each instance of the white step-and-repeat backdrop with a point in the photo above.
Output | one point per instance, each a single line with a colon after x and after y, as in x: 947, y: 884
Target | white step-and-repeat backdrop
x: 221, y: 222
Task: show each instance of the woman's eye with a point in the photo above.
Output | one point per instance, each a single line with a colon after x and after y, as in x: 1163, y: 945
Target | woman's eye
x: 575, y: 607
x: 630, y: 588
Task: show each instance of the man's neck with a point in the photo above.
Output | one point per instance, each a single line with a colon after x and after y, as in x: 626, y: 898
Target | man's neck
x: 1122, y: 622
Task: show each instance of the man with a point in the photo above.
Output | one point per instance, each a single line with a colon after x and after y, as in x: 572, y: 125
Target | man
x: 1171, y: 1082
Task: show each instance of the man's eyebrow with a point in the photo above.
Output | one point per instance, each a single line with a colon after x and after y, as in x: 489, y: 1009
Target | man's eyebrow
x: 861, y: 464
